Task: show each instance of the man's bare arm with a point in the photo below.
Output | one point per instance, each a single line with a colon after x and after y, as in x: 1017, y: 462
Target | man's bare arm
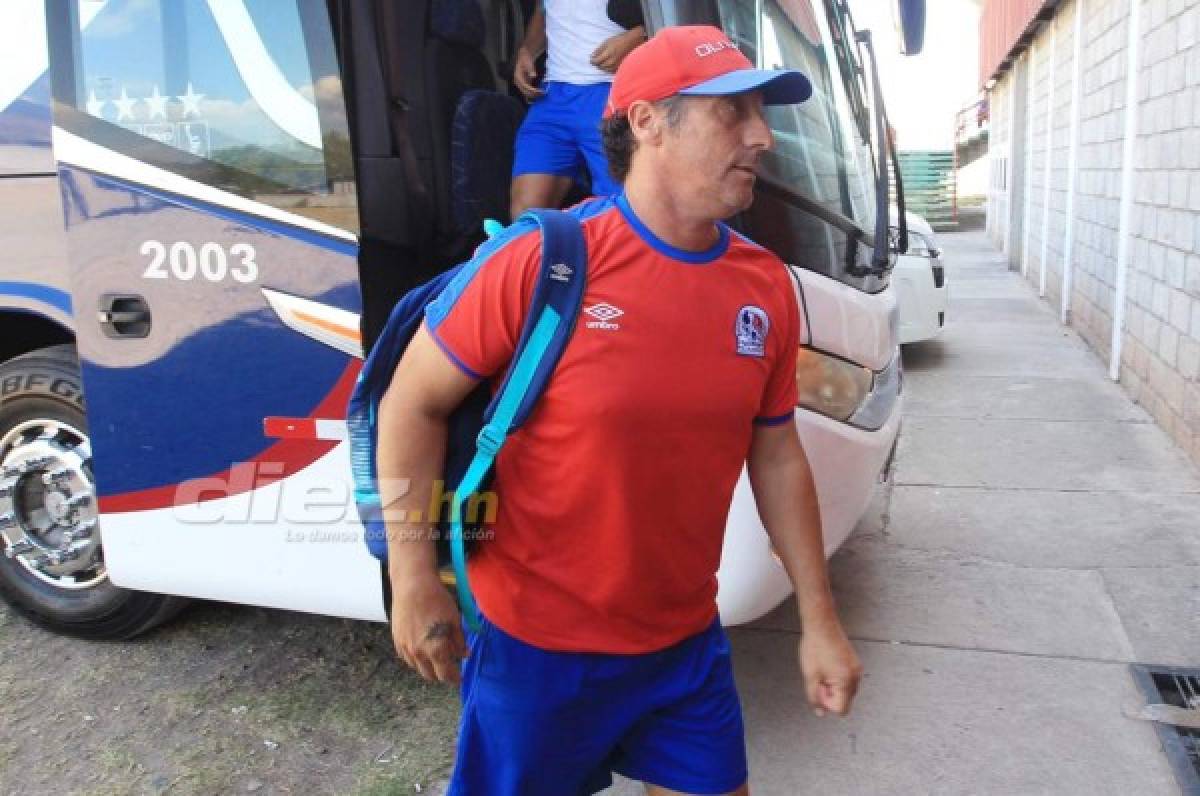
x: 524, y: 70
x: 535, y: 32
x: 425, y: 389
x: 783, y: 487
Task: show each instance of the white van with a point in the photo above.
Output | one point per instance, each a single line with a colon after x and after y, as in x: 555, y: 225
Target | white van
x: 919, y: 280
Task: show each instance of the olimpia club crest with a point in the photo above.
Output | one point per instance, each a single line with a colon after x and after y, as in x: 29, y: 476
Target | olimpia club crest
x: 750, y: 331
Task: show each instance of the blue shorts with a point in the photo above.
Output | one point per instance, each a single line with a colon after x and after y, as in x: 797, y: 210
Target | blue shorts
x: 536, y: 722
x: 561, y: 135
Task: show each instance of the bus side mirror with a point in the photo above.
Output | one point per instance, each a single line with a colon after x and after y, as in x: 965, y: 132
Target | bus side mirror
x: 910, y: 22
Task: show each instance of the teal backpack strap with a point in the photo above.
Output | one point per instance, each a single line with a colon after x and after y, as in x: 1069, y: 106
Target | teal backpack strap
x: 547, y: 329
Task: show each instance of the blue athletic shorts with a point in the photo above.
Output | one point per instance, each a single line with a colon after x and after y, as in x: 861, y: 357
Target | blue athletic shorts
x: 561, y: 135
x: 542, y: 723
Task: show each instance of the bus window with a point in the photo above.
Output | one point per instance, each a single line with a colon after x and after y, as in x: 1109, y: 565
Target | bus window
x: 815, y: 150
x: 816, y: 202
x: 244, y: 95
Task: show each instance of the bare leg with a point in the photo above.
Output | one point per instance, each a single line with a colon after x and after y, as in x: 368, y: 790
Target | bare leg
x: 537, y: 190
x: 654, y: 790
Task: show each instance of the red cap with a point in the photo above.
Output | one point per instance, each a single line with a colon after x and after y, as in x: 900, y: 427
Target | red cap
x: 698, y: 60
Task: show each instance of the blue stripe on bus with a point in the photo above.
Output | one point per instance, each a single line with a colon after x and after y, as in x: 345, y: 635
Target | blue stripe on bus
x: 59, y: 299
x: 283, y: 229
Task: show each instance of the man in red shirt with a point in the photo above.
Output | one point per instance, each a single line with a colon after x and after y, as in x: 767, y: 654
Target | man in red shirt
x: 600, y: 648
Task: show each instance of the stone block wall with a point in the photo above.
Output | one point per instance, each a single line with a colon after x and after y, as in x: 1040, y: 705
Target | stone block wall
x: 1160, y: 339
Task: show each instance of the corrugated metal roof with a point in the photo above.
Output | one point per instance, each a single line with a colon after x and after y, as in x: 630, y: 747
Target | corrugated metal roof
x: 1005, y: 29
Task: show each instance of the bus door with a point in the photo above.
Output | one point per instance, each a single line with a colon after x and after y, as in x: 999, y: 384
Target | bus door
x: 209, y: 202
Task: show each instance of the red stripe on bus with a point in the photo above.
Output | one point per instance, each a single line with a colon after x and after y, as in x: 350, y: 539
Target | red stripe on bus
x: 290, y: 427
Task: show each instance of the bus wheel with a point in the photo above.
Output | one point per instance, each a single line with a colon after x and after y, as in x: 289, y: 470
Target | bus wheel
x: 52, y: 568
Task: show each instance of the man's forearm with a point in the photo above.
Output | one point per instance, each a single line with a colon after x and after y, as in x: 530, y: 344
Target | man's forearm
x: 787, y: 502
x: 535, y: 33
x: 412, y: 448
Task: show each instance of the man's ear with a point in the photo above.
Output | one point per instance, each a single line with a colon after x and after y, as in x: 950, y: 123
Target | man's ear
x: 646, y: 123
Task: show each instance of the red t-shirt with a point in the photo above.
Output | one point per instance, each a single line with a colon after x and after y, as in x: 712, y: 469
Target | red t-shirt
x: 613, y: 496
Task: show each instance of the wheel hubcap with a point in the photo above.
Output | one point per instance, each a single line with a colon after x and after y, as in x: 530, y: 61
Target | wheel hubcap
x: 48, y: 515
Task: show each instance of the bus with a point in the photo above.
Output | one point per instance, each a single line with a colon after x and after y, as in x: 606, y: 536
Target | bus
x: 207, y: 209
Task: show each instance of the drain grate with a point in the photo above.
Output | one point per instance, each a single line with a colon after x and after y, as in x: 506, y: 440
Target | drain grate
x: 1180, y: 688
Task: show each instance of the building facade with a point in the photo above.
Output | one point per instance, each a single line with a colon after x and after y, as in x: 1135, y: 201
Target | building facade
x: 1094, y: 187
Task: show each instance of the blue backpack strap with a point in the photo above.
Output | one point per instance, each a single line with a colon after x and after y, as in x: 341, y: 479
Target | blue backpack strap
x: 545, y: 333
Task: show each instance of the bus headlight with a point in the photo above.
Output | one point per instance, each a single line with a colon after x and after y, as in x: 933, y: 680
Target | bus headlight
x: 834, y: 387
x: 848, y: 392
x: 922, y: 246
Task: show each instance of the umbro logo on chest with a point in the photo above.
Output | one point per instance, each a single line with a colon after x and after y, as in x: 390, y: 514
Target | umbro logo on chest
x: 603, y: 315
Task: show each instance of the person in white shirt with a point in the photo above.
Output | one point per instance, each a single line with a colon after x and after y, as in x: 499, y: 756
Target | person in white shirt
x: 561, y: 133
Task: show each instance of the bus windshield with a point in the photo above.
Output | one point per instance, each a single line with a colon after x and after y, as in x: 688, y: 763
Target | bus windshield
x: 819, y: 176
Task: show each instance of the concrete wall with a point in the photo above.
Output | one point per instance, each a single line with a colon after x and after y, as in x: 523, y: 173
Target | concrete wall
x: 1160, y: 337
x: 999, y: 141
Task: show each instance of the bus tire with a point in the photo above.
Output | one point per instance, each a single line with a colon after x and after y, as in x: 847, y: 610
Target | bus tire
x: 61, y: 585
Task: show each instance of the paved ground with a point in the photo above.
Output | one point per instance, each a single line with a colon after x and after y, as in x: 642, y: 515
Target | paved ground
x: 1040, y: 534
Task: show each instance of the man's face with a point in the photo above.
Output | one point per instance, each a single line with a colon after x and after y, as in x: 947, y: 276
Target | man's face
x: 709, y: 158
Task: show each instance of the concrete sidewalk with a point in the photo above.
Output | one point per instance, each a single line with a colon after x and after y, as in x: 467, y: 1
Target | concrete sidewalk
x: 1040, y: 534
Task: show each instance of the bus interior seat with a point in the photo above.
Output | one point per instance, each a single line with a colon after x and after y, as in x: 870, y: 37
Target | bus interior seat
x: 454, y: 67
x: 483, y: 125
x: 481, y: 157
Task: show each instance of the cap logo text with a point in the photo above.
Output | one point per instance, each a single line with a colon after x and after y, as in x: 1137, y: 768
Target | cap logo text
x: 713, y: 47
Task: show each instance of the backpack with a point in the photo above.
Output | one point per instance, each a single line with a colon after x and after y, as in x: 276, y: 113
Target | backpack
x: 477, y: 429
